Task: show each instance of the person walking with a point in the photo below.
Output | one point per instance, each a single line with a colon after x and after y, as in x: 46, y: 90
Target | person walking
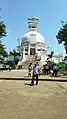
x: 30, y: 69
x: 35, y: 73
x: 46, y: 69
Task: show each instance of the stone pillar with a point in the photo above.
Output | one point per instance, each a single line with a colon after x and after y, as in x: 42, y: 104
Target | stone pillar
x: 24, y: 53
x: 29, y: 49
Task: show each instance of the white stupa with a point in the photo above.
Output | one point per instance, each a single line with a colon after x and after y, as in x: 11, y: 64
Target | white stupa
x: 34, y: 47
x: 33, y: 42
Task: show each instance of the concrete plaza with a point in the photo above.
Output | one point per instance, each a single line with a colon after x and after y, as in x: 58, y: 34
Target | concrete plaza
x: 19, y: 100
x: 23, y: 75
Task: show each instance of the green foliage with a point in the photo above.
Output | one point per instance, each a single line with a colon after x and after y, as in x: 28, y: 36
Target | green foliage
x: 16, y: 61
x: 65, y: 73
x: 10, y: 63
x: 65, y: 58
x: 2, y: 29
x: 51, y: 55
x: 1, y: 60
x: 14, y: 53
x: 50, y: 62
x: 3, y: 52
x: 16, y: 56
x: 62, y: 35
x: 61, y: 64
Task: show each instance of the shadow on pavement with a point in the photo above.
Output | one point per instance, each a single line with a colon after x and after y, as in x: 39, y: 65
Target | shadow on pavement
x: 29, y: 84
x: 26, y: 79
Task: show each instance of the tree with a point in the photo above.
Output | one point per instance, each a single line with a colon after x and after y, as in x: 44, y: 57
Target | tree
x: 3, y: 51
x: 62, y: 35
x: 10, y: 63
x: 65, y: 58
x: 15, y: 55
x: 50, y: 56
x: 2, y: 29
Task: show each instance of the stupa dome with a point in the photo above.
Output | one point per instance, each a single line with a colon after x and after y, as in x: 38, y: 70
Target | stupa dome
x: 33, y: 36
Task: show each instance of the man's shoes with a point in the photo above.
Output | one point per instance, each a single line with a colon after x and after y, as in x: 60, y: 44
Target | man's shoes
x: 36, y: 83
x: 31, y: 84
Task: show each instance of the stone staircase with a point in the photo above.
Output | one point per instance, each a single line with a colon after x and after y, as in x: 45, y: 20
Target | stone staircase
x: 32, y: 59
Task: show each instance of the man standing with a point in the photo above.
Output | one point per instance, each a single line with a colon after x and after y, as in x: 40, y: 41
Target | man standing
x: 55, y: 70
x: 35, y: 73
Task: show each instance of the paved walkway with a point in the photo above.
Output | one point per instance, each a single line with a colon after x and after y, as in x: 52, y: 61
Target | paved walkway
x: 19, y: 100
x: 23, y: 75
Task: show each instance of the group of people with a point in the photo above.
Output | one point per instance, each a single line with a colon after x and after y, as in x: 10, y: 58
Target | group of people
x: 50, y: 69
x: 33, y: 70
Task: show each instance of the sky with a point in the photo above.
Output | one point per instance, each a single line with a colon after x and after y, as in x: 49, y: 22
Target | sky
x: 50, y: 13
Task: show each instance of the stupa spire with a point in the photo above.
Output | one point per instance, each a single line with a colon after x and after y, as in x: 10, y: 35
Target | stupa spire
x: 33, y: 23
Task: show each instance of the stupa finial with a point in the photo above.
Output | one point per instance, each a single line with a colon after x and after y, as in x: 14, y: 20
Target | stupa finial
x: 33, y: 23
